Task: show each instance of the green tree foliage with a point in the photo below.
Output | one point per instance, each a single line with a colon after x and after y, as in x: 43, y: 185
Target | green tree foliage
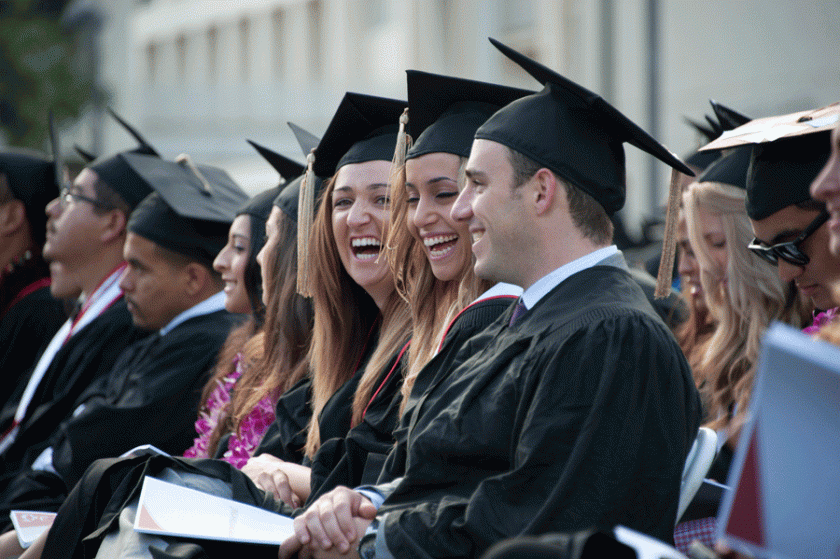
x: 38, y: 73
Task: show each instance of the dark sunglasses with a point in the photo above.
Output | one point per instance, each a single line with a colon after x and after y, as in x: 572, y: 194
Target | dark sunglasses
x: 789, y: 251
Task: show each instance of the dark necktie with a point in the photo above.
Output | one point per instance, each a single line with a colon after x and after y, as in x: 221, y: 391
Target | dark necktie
x: 518, y: 311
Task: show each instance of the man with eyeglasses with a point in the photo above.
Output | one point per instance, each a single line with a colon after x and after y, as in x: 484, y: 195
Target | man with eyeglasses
x: 85, y: 234
x: 788, y: 153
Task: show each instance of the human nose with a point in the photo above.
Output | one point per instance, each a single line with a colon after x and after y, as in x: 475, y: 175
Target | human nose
x: 54, y: 207
x: 462, y: 208
x: 220, y: 263
x: 358, y: 214
x: 788, y: 272
x: 423, y: 214
x: 686, y: 265
x: 126, y: 281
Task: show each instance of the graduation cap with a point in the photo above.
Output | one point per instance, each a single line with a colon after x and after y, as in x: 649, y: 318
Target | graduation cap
x: 787, y: 154
x: 730, y: 169
x: 287, y: 199
x: 31, y: 178
x: 117, y: 173
x: 725, y: 119
x: 364, y: 128
x: 578, y: 135
x: 87, y: 156
x: 445, y: 112
x: 191, y: 207
x: 259, y: 206
x: 286, y: 167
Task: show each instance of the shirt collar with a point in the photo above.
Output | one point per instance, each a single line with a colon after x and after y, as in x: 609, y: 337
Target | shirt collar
x: 209, y: 305
x: 551, y: 280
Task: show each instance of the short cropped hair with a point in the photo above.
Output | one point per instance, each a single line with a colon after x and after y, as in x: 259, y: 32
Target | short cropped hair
x: 110, y: 197
x: 589, y: 216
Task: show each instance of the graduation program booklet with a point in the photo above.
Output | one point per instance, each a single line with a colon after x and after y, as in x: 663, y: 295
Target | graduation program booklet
x: 29, y: 524
x: 167, y: 509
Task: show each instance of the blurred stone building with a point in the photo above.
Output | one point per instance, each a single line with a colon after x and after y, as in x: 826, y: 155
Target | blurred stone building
x: 200, y: 76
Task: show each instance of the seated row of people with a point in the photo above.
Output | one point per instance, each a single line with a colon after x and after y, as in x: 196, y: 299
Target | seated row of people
x: 574, y: 407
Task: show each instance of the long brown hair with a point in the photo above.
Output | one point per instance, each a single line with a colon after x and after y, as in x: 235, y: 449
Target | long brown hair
x: 345, y: 315
x: 433, y: 303
x: 275, y: 357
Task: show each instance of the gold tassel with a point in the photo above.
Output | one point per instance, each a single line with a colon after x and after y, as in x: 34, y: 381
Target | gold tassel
x: 396, y: 177
x: 669, y: 239
x: 306, y: 215
x: 186, y: 161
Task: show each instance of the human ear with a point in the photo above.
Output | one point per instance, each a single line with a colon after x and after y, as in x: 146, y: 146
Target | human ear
x: 544, y: 188
x: 113, y: 226
x: 12, y: 217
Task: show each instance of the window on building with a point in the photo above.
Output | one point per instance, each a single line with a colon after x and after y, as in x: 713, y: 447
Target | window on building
x: 313, y: 12
x: 278, y: 55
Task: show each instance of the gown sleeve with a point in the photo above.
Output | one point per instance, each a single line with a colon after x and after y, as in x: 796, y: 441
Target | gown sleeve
x: 599, y: 427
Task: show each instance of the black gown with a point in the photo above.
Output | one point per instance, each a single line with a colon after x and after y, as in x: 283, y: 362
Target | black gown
x: 29, y: 319
x: 151, y: 396
x: 93, y: 506
x: 358, y: 458
x: 87, y: 356
x: 579, y: 415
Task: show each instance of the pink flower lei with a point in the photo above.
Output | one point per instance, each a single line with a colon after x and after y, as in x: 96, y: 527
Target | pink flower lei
x: 821, y: 320
x: 240, y: 445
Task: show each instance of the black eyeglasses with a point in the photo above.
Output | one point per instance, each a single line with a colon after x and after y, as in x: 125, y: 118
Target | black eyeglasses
x: 789, y: 251
x: 67, y: 195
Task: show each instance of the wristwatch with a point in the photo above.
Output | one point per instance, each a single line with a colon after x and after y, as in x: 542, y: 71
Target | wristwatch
x: 367, y: 545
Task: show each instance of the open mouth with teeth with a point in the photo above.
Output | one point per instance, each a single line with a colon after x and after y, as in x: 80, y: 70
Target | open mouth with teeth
x: 366, y: 248
x: 440, y: 245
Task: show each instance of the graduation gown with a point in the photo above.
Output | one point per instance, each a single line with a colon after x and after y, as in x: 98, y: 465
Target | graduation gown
x: 580, y: 414
x: 26, y: 327
x: 358, y: 458
x: 151, y: 396
x: 92, y: 507
x: 87, y: 356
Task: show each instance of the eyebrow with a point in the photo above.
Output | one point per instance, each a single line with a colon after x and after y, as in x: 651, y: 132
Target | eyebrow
x: 474, y: 174
x: 373, y: 186
x: 433, y: 181
x: 782, y: 235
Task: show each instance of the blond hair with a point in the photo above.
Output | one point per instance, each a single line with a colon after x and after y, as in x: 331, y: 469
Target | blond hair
x: 744, y: 306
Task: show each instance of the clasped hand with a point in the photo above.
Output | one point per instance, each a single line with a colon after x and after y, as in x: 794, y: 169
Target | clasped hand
x: 331, y: 526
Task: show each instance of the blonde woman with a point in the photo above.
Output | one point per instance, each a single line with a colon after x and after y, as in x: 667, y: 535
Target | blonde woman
x: 742, y: 293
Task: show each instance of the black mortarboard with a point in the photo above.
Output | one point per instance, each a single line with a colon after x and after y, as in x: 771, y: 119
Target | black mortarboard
x: 444, y: 112
x: 30, y: 176
x: 259, y: 206
x: 730, y: 169
x: 87, y: 156
x: 306, y: 139
x: 787, y: 153
x: 781, y: 172
x: 574, y: 132
x: 117, y: 174
x: 725, y: 119
x: 286, y: 167
x: 191, y: 208
x: 288, y: 197
x: 364, y: 128
x: 578, y: 135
